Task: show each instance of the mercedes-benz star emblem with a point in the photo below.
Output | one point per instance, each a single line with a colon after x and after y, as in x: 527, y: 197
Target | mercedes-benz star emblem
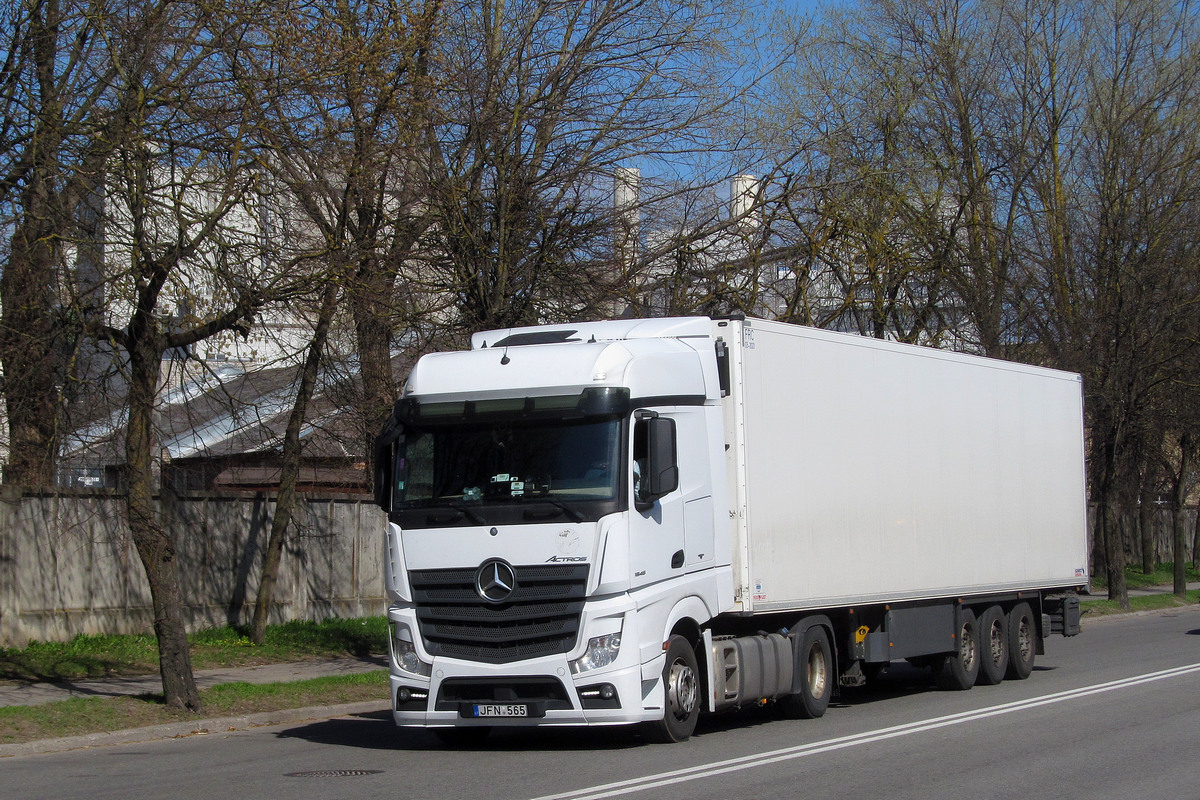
x: 495, y: 581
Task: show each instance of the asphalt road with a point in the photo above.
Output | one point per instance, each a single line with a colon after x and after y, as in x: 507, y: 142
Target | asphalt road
x: 1114, y: 713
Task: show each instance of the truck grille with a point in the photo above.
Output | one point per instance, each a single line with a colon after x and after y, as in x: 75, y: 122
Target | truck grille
x: 540, y: 618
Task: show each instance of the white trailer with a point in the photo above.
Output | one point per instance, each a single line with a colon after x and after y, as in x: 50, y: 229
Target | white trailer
x: 595, y: 523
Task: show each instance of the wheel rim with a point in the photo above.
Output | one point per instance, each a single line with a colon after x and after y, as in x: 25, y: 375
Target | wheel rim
x: 996, y: 645
x: 1025, y: 640
x: 817, y: 671
x: 966, y: 650
x: 682, y: 690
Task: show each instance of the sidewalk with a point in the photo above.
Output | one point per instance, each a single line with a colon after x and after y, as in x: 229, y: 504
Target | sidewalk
x: 18, y: 693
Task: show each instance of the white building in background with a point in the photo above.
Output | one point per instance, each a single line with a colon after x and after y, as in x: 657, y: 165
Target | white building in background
x: 735, y: 259
x: 220, y: 393
x: 747, y: 256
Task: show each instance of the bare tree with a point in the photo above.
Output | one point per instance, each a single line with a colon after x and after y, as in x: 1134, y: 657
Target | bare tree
x: 1142, y: 154
x: 180, y: 265
x: 541, y: 104
x: 344, y: 89
x: 61, y: 113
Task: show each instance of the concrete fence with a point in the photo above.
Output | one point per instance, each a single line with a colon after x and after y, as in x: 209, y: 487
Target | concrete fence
x: 68, y: 564
x: 1161, y: 527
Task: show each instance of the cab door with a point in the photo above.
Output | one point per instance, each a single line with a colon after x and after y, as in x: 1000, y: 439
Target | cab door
x: 657, y: 536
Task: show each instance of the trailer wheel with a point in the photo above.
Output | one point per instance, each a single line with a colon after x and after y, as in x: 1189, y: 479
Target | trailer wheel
x: 1022, y: 644
x: 814, y: 668
x: 959, y: 669
x: 993, y: 644
x: 681, y: 687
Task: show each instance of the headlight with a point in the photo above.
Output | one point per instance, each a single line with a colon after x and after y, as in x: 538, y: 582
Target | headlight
x: 601, y: 651
x: 404, y: 652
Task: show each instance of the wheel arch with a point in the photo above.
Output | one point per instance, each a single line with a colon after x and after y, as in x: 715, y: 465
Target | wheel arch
x: 687, y: 619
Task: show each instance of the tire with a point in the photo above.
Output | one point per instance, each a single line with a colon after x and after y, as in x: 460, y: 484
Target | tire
x: 462, y: 737
x: 814, y: 671
x: 959, y: 669
x: 993, y: 646
x: 681, y: 690
x: 1022, y: 642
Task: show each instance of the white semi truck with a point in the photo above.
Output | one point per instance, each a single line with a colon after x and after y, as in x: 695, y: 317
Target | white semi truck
x: 639, y: 521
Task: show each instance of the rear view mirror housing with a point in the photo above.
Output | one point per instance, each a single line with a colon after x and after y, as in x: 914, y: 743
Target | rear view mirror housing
x: 661, y: 473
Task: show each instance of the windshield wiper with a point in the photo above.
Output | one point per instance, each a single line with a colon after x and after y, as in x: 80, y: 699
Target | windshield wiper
x: 458, y: 512
x: 570, y: 513
x: 468, y: 513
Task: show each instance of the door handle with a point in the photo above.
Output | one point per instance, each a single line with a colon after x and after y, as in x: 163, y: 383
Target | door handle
x: 677, y: 560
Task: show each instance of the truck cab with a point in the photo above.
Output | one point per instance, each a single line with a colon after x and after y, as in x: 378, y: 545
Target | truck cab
x: 556, y: 515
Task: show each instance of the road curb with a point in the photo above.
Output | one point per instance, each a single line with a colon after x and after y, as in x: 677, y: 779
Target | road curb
x: 188, y: 728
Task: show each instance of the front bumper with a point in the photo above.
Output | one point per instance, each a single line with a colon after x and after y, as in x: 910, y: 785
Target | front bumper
x: 543, y: 690
x: 547, y: 692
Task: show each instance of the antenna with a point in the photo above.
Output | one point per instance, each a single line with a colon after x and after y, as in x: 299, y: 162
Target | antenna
x: 504, y: 359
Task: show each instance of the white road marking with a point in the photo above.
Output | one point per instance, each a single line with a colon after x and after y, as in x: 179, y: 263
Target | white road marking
x: 814, y: 748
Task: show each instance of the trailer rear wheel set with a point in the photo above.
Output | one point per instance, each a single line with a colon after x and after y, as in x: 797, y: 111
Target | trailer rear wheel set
x: 995, y: 646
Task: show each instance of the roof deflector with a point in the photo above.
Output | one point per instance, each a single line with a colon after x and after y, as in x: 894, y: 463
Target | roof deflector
x: 536, y: 337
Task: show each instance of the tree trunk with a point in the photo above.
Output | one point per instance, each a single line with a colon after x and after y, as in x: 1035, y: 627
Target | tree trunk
x: 1099, y: 543
x: 1146, y: 527
x: 28, y: 337
x: 371, y: 304
x: 150, y: 537
x: 285, y: 500
x: 1115, y: 545
x: 1178, y: 535
x: 1196, y: 541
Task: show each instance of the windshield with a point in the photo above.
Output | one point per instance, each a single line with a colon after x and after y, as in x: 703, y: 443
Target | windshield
x: 506, y: 462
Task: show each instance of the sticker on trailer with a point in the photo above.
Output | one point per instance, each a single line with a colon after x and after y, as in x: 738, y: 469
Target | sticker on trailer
x: 760, y: 594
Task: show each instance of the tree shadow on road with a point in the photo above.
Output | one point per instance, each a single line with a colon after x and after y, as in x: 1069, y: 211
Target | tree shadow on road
x: 376, y: 731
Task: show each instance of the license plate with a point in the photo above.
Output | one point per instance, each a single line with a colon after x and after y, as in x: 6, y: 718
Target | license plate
x: 499, y: 710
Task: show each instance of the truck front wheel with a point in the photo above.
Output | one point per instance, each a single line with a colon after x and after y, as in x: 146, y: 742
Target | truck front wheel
x: 681, y: 687
x: 814, y: 663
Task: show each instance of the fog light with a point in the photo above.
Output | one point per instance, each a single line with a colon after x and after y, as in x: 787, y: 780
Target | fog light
x: 600, y: 695
x: 412, y: 698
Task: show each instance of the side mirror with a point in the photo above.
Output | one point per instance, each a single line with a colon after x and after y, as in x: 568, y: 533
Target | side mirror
x: 662, y: 462
x: 385, y: 463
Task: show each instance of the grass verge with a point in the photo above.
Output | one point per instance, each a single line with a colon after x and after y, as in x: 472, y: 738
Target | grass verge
x: 95, y: 715
x: 1163, y: 575
x: 110, y: 656
x: 1152, y: 602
